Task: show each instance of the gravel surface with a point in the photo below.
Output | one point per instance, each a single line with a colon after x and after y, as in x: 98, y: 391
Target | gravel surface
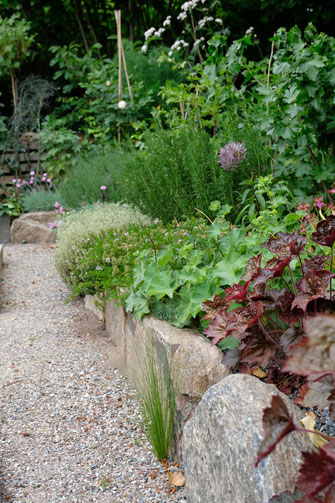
x: 70, y: 427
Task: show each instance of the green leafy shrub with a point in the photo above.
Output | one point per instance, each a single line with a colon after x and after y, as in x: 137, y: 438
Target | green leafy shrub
x: 41, y: 200
x: 199, y: 268
x: 59, y: 146
x: 78, y: 225
x: 89, y: 83
x: 105, y: 263
x: 91, y: 171
x: 178, y: 172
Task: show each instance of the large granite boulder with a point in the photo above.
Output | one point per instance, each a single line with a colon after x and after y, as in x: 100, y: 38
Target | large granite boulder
x: 34, y: 228
x: 195, y: 364
x: 221, y: 441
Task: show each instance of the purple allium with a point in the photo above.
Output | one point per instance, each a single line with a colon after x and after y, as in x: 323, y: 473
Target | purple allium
x: 231, y: 155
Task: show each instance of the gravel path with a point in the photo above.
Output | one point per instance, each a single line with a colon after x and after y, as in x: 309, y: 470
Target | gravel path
x: 69, y: 423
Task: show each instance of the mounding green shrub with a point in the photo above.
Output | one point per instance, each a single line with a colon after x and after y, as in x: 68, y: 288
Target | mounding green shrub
x: 78, y: 225
x: 90, y: 172
x: 178, y: 172
x: 41, y: 200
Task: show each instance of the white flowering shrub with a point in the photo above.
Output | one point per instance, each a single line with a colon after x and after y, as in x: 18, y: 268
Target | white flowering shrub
x: 76, y: 226
x: 199, y: 21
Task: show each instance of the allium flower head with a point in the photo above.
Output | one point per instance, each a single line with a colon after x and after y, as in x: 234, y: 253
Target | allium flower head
x: 231, y: 155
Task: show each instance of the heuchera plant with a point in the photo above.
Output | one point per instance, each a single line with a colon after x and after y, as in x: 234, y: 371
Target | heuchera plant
x: 312, y: 357
x: 266, y: 310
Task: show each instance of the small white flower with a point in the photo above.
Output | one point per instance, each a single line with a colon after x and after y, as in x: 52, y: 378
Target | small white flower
x: 122, y: 104
x: 149, y: 33
x: 182, y: 16
x: 108, y: 83
x: 108, y: 259
x: 218, y: 20
x: 197, y: 42
x: 157, y: 34
x: 160, y: 31
x: 167, y: 21
x: 144, y: 48
x: 250, y: 30
x: 170, y: 53
x: 156, y: 221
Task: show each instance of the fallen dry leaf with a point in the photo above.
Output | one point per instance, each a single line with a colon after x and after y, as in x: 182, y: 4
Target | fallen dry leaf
x: 308, y: 422
x: 259, y: 373
x: 176, y: 478
x: 153, y: 474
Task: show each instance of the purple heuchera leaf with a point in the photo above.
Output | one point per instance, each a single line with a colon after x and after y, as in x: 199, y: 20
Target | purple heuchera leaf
x: 325, y: 232
x: 317, y: 470
x: 317, y: 263
x: 257, y: 350
x: 286, y: 245
x: 277, y: 423
x: 242, y: 318
x: 237, y: 292
x: 217, y: 330
x: 312, y: 286
x: 315, y: 354
x: 212, y: 307
x: 253, y: 268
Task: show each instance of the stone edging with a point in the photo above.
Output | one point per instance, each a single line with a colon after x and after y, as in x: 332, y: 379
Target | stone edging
x: 1, y: 255
x: 194, y: 362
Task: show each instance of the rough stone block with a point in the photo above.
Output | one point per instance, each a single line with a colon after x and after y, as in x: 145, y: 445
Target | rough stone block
x: 1, y: 256
x: 221, y: 441
x: 33, y: 228
x: 90, y: 302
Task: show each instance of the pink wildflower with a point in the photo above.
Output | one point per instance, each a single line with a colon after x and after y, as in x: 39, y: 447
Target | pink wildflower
x: 18, y: 185
x: 32, y: 173
x: 14, y: 181
x: 52, y: 225
x: 49, y: 180
x: 332, y: 191
x: 103, y: 187
x: 56, y: 205
x: 61, y: 209
x: 318, y: 202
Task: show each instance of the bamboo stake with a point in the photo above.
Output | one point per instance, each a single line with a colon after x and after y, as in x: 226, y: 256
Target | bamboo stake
x: 119, y: 46
x: 126, y: 72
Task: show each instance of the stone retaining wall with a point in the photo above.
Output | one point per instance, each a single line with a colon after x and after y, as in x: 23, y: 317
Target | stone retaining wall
x: 195, y: 364
x: 219, y: 415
